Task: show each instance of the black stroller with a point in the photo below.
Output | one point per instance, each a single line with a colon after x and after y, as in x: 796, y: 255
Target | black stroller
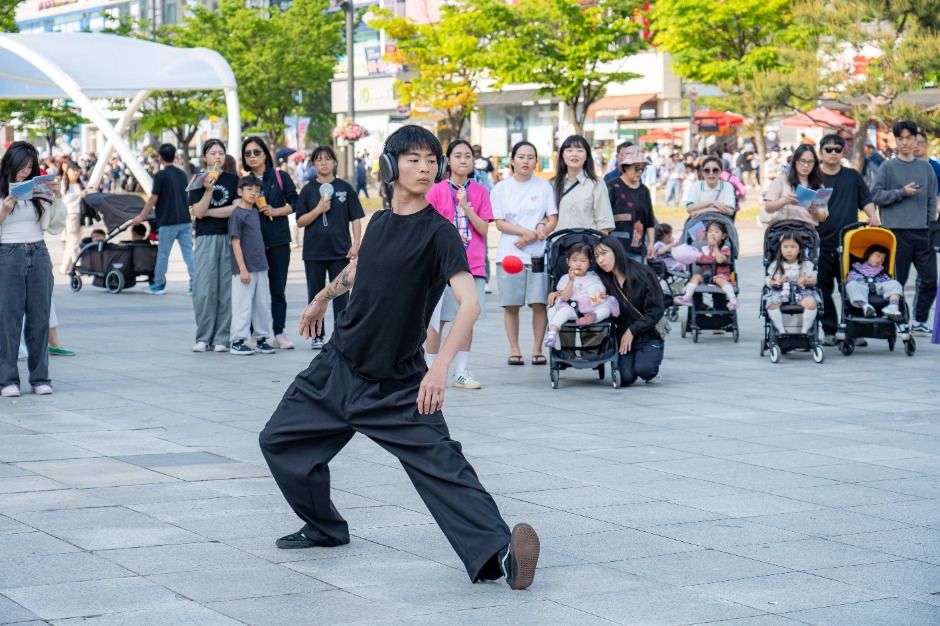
x: 114, y: 265
x: 671, y: 282
x: 591, y: 346
x: 793, y: 339
x: 709, y: 308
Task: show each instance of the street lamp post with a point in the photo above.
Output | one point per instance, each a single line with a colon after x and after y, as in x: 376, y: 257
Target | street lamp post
x: 347, y: 6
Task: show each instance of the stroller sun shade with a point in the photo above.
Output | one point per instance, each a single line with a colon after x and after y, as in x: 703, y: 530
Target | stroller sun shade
x: 115, y: 208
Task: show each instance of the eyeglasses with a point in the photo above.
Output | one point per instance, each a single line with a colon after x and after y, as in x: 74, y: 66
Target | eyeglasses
x: 832, y: 149
x: 712, y: 170
x: 805, y: 162
x: 254, y: 153
x: 637, y: 167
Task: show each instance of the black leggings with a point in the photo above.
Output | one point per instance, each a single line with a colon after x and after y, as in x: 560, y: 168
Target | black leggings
x: 278, y: 263
x: 642, y: 361
x: 914, y: 248
x: 316, y: 272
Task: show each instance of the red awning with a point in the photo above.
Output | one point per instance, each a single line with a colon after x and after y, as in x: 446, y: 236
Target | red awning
x: 820, y: 118
x: 721, y: 119
x: 619, y: 107
x: 660, y: 134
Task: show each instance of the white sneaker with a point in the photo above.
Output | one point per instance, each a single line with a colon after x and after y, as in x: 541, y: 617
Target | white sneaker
x: 42, y: 390
x: 892, y: 312
x: 10, y: 391
x: 465, y: 380
x: 220, y: 348
x: 655, y: 380
x: 201, y: 346
x: 283, y: 342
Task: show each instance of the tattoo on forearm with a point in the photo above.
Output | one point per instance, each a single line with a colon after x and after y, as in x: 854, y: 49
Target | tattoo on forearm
x: 341, y: 284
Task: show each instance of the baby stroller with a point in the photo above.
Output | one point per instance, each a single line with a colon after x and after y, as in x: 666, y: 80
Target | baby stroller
x: 793, y: 339
x: 581, y: 347
x: 855, y: 239
x: 672, y: 282
x: 709, y: 308
x: 114, y: 266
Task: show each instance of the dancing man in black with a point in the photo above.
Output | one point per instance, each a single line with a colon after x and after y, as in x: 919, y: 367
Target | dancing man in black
x: 371, y: 378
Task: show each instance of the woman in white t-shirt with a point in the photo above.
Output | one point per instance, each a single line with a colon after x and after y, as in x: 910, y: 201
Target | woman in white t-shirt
x: 711, y: 193
x: 73, y: 190
x: 525, y: 213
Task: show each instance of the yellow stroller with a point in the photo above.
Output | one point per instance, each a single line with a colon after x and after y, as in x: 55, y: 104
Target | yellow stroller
x: 856, y: 238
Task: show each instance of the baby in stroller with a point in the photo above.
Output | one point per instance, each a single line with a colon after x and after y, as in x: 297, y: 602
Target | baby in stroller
x: 662, y: 248
x: 714, y: 262
x: 791, y: 276
x: 584, y: 288
x: 871, y: 269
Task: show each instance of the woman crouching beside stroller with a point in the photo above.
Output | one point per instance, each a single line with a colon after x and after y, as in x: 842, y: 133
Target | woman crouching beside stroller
x: 791, y: 276
x: 637, y: 291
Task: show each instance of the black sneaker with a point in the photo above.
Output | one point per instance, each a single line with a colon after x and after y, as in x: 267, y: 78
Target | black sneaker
x: 263, y: 346
x: 316, y: 344
x: 241, y: 349
x: 829, y: 340
x: 920, y: 328
x: 294, y: 541
x: 519, y: 560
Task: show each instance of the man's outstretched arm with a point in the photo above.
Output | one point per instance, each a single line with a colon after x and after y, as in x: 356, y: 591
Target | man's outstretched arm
x: 311, y: 320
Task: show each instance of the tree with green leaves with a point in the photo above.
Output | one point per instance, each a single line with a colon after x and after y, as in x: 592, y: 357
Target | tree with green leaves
x: 750, y: 49
x: 445, y: 63
x: 573, y: 49
x: 873, y: 53
x: 8, y: 16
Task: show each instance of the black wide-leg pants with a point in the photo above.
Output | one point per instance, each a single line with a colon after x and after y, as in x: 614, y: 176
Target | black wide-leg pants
x: 325, y: 406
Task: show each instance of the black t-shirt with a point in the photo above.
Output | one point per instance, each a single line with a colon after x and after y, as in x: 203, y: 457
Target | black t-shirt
x: 849, y: 195
x: 329, y: 241
x: 169, y: 185
x: 633, y: 214
x: 403, y: 264
x: 224, y: 193
x: 276, y: 230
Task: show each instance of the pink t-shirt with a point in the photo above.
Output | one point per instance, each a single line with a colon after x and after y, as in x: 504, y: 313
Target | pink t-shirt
x: 443, y: 197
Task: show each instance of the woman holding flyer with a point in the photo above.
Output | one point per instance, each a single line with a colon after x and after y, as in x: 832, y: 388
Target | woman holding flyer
x: 780, y: 201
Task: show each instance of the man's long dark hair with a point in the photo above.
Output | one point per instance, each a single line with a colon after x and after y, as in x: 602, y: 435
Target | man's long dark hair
x: 20, y: 154
x: 815, y: 177
x: 632, y: 271
x: 558, y: 182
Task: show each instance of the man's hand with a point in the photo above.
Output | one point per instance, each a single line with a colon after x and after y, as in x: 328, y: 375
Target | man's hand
x: 138, y: 220
x: 431, y: 391
x: 244, y: 276
x: 649, y: 252
x: 311, y: 320
x: 911, y: 189
x: 626, y: 342
x: 353, y: 251
x: 874, y: 220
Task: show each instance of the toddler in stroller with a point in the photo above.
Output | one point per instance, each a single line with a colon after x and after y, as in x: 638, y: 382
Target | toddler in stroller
x: 871, y: 269
x: 717, y: 254
x: 580, y: 295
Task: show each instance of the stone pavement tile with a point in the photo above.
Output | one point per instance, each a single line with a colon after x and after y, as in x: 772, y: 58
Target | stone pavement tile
x: 170, y: 459
x: 552, y: 524
x: 225, y: 527
x: 9, y: 429
x: 401, y: 494
x: 845, y: 495
x: 916, y: 512
x: 648, y: 514
x: 572, y: 581
x: 106, y: 527
x: 263, y: 547
x: 911, y: 543
x: 786, y: 459
x: 216, y: 471
x: 924, y: 486
x: 534, y: 612
x: 618, y: 545
x: 762, y: 620
x: 640, y: 454
x: 28, y: 484
x: 808, y: 554
x: 857, y: 472
x: 827, y: 522
x: 8, y: 470
x: 56, y: 568
x: 180, y: 558
x: 241, y: 486
x: 153, y: 493
x: 741, y: 475
x: 720, y: 447
x: 561, y: 463
x: 19, y: 448
x: 693, y: 568
x: 748, y: 504
x: 58, y: 422
x: 785, y: 593
x: 522, y: 482
x: 320, y: 608
x: 11, y: 612
x: 9, y: 526
x: 379, y: 569
x: 866, y: 453
x: 214, y: 584
x: 78, y: 599
x: 32, y: 544
x: 212, y: 507
x: 181, y: 613
x: 96, y: 472
x: 894, y: 611
x: 660, y: 605
x: 571, y: 499
x: 926, y: 464
x: 720, y: 534
x: 903, y: 578
x: 680, y: 490
x: 47, y: 501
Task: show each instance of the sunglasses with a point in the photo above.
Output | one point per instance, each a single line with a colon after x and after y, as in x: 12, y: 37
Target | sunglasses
x: 711, y: 170
x: 832, y: 149
x: 254, y: 153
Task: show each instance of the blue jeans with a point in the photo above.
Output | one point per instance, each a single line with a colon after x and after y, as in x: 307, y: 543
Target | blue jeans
x: 25, y: 291
x: 168, y: 234
x: 673, y: 191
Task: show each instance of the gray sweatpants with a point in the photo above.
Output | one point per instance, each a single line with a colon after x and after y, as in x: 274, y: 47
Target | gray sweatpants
x: 251, y: 307
x: 857, y: 290
x: 212, y: 289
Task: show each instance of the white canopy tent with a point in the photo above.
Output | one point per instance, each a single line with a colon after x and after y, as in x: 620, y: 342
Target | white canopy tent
x: 86, y: 66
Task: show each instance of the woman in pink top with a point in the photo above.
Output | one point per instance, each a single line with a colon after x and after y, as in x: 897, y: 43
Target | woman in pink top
x: 466, y: 204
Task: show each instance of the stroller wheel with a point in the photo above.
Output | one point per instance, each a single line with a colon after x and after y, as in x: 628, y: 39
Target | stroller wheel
x: 891, y: 343
x: 672, y: 314
x: 774, y: 354
x: 818, y: 354
x: 615, y: 377
x: 600, y: 371
x: 76, y: 282
x: 910, y: 347
x: 695, y: 336
x: 735, y: 334
x: 847, y: 347
x: 763, y: 346
x: 554, y: 374
x: 114, y: 281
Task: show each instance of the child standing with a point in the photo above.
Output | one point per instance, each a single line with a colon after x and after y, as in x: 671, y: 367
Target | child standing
x: 251, y: 298
x: 790, y: 274
x: 717, y: 254
x: 582, y: 285
x: 872, y: 270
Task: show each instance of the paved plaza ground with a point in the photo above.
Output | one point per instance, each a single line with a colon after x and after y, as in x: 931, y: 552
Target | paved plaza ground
x: 737, y: 492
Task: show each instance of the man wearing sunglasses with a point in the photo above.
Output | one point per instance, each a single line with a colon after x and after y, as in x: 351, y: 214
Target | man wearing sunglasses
x: 849, y: 196
x: 906, y: 191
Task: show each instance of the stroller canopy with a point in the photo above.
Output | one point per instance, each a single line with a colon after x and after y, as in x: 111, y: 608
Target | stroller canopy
x: 695, y: 227
x: 804, y: 232
x: 857, y: 241
x: 115, y: 208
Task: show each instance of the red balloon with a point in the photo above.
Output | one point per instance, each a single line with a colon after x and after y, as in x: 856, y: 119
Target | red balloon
x: 512, y: 264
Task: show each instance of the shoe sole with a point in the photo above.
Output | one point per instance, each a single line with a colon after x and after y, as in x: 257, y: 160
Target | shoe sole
x: 294, y: 545
x: 10, y: 395
x: 239, y: 353
x: 525, y: 548
x: 463, y: 386
x: 265, y: 351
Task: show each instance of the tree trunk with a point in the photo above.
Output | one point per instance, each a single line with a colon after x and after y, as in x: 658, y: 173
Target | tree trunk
x: 759, y: 129
x: 575, y: 121
x: 862, y: 120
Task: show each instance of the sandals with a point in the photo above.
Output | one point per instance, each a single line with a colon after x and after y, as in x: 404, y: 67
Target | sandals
x: 539, y: 359
x: 515, y: 359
